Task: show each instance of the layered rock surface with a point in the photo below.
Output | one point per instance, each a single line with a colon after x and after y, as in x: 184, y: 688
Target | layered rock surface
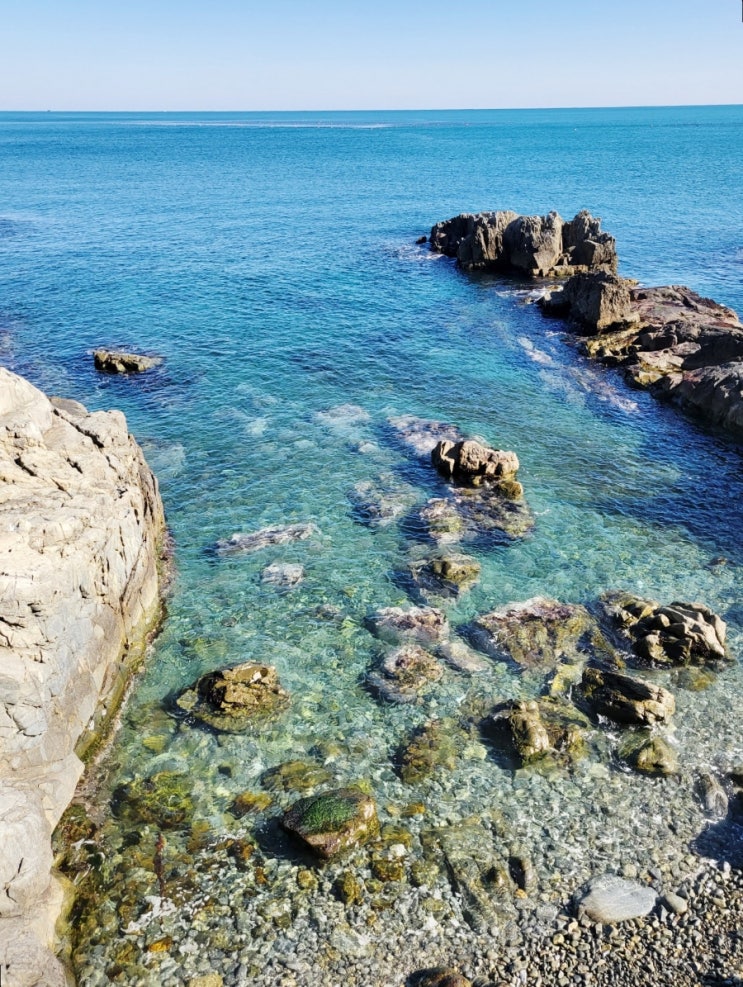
x: 685, y: 348
x: 539, y: 246
x: 81, y: 527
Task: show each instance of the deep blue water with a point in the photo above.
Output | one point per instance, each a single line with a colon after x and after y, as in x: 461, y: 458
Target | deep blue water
x: 271, y: 260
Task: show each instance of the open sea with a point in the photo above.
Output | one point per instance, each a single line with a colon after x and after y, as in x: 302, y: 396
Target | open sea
x: 271, y: 260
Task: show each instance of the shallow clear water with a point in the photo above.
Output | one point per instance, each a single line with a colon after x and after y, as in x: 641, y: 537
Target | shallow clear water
x: 271, y: 261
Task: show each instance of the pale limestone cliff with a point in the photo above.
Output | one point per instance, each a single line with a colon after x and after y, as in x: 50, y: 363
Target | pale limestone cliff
x: 81, y: 527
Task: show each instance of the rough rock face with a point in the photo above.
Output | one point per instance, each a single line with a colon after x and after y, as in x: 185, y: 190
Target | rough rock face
x: 403, y: 673
x: 471, y: 463
x: 625, y: 699
x: 535, y: 245
x: 686, y: 348
x: 81, y: 527
x: 529, y: 730
x: 676, y: 634
x: 596, y: 301
x: 396, y: 625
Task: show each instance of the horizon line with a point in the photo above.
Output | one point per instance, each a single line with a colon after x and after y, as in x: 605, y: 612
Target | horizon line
x: 413, y: 109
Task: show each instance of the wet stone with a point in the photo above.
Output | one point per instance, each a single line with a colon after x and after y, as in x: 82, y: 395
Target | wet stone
x: 250, y: 803
x: 649, y: 754
x: 528, y: 731
x: 395, y: 625
x: 283, y: 575
x: 233, y: 699
x: 378, y: 502
x: 295, y: 776
x: 446, y: 575
x: 163, y: 799
x: 625, y: 699
x: 609, y: 899
x: 334, y: 821
x: 436, y: 746
x: 255, y: 541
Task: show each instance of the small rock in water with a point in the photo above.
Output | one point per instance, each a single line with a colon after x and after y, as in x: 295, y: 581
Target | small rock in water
x: 461, y: 657
x: 426, y: 625
x: 120, y: 362
x: 445, y: 575
x: 713, y: 796
x: 421, y: 435
x: 283, y: 575
x: 610, y: 899
x: 232, y: 699
x: 256, y: 540
x: 625, y: 699
x: 403, y: 673
x: 649, y: 754
x: 334, y: 821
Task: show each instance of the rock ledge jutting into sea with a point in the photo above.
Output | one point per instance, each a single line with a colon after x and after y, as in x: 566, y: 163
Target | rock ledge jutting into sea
x: 80, y: 541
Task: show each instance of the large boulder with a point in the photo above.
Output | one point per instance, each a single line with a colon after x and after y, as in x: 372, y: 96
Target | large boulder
x: 334, y: 821
x: 595, y: 300
x: 625, y: 699
x: 472, y: 464
x: 538, y: 246
x: 233, y: 699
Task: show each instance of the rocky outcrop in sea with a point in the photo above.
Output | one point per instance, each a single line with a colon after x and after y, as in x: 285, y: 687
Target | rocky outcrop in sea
x: 80, y: 541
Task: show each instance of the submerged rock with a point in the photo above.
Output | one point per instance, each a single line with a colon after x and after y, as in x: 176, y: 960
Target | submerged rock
x: 295, y: 776
x: 625, y: 699
x: 395, y: 625
x: 713, y: 796
x: 403, y: 673
x: 233, y: 699
x: 380, y: 501
x: 461, y: 657
x: 283, y: 575
x: 120, y: 362
x: 434, y: 746
x: 533, y: 245
x: 444, y: 575
x: 471, y: 515
x: 333, y: 821
x: 164, y: 799
x: 649, y: 754
x: 529, y: 730
x: 538, y: 634
x: 257, y: 540
x: 609, y: 899
x: 421, y: 435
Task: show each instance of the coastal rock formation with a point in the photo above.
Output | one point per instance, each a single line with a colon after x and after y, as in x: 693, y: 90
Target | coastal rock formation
x: 232, y: 699
x: 256, y: 540
x: 473, y: 464
x: 685, y: 348
x: 672, y: 635
x: 334, y: 821
x: 539, y: 246
x: 120, y: 362
x: 82, y: 529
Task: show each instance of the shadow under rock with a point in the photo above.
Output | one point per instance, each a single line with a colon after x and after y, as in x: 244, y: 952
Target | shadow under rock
x: 721, y: 841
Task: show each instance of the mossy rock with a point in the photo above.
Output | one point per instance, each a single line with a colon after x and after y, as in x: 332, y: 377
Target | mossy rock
x: 649, y: 754
x: 332, y: 822
x: 295, y: 776
x: 249, y: 803
x: 234, y: 699
x: 435, y: 746
x: 163, y: 799
x: 349, y: 889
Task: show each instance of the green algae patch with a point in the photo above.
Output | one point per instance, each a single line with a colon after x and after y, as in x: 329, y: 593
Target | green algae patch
x: 333, y: 821
x: 163, y: 800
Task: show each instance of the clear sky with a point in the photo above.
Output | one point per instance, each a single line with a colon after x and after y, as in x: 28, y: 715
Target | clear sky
x: 367, y: 54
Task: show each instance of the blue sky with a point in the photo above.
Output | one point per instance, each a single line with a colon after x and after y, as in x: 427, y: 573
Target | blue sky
x: 375, y: 54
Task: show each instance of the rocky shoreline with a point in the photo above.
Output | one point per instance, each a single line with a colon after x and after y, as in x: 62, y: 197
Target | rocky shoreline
x: 80, y: 544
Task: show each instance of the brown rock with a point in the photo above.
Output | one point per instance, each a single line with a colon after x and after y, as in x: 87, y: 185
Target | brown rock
x: 232, y: 699
x: 625, y: 699
x: 333, y: 821
x: 120, y: 362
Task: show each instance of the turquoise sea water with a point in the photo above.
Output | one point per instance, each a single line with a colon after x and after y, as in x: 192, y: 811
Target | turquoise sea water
x: 271, y: 260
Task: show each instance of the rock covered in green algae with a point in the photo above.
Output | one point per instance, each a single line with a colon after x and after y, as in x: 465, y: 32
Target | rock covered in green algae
x: 403, y: 673
x: 649, y: 754
x: 625, y: 699
x: 437, y: 745
x: 232, y: 699
x: 332, y: 822
x: 662, y: 636
x: 163, y: 799
x: 532, y: 730
x: 539, y: 633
